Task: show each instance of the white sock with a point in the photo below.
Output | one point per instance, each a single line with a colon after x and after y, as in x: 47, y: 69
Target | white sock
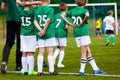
x: 92, y: 63
x: 30, y: 60
x: 61, y: 57
x: 83, y: 64
x: 40, y: 63
x: 57, y: 51
x: 24, y: 64
x: 51, y: 63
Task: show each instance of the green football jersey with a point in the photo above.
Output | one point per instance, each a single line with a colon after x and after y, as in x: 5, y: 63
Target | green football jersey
x: 12, y: 11
x: 60, y: 26
x: 77, y: 14
x: 27, y: 25
x: 41, y: 15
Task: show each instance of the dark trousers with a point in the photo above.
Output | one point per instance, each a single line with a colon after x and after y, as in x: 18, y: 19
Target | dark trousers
x: 13, y: 30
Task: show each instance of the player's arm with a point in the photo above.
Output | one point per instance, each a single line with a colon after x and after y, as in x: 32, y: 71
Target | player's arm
x: 20, y: 2
x: 67, y: 29
x: 63, y: 16
x: 3, y: 6
x: 46, y: 24
x: 35, y: 3
x: 37, y: 25
x: 84, y: 20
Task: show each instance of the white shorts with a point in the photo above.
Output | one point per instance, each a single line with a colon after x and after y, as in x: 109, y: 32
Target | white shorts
x: 46, y: 42
x: 28, y: 43
x: 83, y: 41
x: 61, y: 41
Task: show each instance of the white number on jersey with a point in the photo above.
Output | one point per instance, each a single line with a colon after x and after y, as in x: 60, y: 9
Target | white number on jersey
x: 76, y: 20
x: 26, y: 21
x: 42, y: 20
x: 59, y: 21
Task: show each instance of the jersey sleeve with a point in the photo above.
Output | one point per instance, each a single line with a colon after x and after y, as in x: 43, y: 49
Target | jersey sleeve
x: 50, y: 13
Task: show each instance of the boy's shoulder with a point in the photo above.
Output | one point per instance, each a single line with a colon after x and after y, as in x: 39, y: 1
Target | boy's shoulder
x: 58, y: 14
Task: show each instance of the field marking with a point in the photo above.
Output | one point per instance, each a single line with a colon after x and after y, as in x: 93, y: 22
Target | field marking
x: 69, y: 73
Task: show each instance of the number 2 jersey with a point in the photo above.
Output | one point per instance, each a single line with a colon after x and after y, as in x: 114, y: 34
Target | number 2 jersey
x: 77, y: 14
x: 41, y: 15
x: 60, y: 26
x: 27, y: 24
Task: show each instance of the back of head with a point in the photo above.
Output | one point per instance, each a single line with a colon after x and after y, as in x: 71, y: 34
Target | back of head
x: 63, y: 6
x: 110, y: 12
x: 81, y: 2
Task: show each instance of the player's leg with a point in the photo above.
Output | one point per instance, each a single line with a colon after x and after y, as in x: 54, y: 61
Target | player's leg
x: 57, y: 50
x: 49, y: 45
x: 10, y: 37
x: 83, y: 60
x: 56, y: 53
x: 41, y: 46
x: 113, y: 39
x: 30, y: 61
x: 62, y: 44
x: 24, y: 63
x: 83, y: 57
x: 40, y: 60
x: 107, y: 37
x: 100, y: 32
x: 97, y: 33
x: 18, y: 53
x: 61, y: 57
x: 83, y: 41
x: 51, y: 61
x: 92, y: 62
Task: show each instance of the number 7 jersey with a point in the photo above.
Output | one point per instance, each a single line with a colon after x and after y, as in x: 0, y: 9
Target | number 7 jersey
x: 77, y: 15
x: 60, y: 26
x: 41, y: 15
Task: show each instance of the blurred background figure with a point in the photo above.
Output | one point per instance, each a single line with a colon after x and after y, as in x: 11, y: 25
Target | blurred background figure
x: 98, y: 28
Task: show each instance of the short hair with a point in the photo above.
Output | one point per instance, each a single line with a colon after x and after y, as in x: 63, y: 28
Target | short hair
x: 81, y: 2
x: 63, y: 6
x: 110, y: 12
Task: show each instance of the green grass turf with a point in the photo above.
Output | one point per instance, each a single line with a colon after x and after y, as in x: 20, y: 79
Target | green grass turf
x: 106, y: 57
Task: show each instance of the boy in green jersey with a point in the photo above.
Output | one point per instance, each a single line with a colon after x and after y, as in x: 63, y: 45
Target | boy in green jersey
x: 43, y: 22
x: 60, y: 34
x: 28, y: 37
x: 79, y: 17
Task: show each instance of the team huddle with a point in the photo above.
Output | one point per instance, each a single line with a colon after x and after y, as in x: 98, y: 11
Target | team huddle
x: 42, y: 29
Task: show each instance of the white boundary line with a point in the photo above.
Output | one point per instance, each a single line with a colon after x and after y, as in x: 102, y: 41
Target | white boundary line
x: 70, y: 73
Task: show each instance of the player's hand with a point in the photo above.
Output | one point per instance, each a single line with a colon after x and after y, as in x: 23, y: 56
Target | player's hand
x: 72, y: 25
x: 27, y: 3
x: 81, y: 24
x: 41, y: 33
x: 23, y: 4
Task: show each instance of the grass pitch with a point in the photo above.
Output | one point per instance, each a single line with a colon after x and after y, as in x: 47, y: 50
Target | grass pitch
x: 106, y: 57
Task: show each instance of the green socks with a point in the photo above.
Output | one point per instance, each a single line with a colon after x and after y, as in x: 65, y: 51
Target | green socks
x: 113, y: 40
x: 107, y: 38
